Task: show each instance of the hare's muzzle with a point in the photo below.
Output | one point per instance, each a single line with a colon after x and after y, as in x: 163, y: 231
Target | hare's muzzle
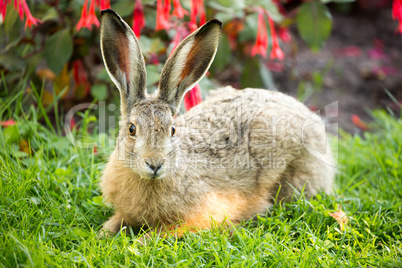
x: 153, y: 168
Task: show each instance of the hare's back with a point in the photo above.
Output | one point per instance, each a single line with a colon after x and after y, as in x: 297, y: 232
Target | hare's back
x: 227, y: 107
x: 259, y: 121
x: 255, y: 135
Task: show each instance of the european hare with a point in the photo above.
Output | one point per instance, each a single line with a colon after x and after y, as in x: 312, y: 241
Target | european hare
x: 225, y: 159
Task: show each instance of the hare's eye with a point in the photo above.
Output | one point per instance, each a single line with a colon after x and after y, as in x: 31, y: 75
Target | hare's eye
x: 173, y: 131
x: 132, y: 130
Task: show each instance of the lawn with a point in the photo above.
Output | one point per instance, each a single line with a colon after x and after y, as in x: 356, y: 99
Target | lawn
x: 51, y: 207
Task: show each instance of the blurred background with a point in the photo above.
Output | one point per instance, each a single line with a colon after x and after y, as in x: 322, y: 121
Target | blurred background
x: 318, y: 51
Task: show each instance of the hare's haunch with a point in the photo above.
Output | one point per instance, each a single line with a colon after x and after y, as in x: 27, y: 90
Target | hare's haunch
x: 226, y: 159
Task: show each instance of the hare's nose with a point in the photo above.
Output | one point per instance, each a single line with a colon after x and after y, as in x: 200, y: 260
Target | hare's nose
x: 154, y: 165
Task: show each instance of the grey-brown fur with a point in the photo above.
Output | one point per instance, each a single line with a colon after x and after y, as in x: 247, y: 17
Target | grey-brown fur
x: 227, y: 159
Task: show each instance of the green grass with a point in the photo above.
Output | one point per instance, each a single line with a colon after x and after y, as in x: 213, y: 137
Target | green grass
x: 51, y: 210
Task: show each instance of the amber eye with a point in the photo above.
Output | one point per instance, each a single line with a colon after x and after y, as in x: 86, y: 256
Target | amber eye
x: 173, y: 131
x: 132, y: 130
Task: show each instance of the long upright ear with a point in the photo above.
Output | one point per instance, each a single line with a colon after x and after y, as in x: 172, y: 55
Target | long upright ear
x: 123, y: 59
x: 189, y: 63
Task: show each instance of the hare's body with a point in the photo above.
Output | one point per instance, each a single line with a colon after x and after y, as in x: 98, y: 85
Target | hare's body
x: 235, y: 149
x: 228, y: 158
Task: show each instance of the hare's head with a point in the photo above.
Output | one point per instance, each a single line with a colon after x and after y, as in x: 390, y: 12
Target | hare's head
x: 147, y: 134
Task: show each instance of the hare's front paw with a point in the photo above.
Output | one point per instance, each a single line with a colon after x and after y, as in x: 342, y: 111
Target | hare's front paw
x: 112, y: 226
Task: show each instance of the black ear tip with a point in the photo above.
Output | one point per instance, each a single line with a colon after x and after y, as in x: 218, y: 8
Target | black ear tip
x: 108, y: 11
x: 214, y: 22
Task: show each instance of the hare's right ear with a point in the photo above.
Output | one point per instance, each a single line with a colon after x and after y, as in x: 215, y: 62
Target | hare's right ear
x: 123, y: 59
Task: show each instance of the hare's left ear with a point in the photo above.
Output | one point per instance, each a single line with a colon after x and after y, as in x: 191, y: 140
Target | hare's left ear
x: 123, y: 59
x: 189, y: 63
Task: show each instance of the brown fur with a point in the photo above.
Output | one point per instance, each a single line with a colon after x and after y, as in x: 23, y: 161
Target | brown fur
x: 226, y: 162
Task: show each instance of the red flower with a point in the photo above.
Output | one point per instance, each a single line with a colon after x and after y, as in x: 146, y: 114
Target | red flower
x: 192, y: 98
x: 276, y: 51
x: 30, y: 19
x: 178, y: 11
x: 359, y: 123
x: 83, y: 20
x: 397, y: 13
x: 138, y: 18
x: 88, y: 17
x: 7, y: 123
x: 261, y: 43
x: 19, y: 8
x: 3, y: 8
x: 92, y: 19
x: 104, y: 4
x: 197, y: 10
x: 162, y: 14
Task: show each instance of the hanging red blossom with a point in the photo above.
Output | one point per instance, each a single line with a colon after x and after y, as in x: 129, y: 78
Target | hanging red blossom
x: 22, y: 8
x: 83, y: 20
x: 104, y: 4
x: 138, y: 18
x: 30, y: 19
x: 178, y: 11
x: 197, y: 10
x: 397, y: 13
x: 3, y: 8
x: 276, y: 51
x: 92, y: 19
x: 192, y: 98
x: 88, y: 17
x: 19, y: 8
x: 261, y: 43
x: 162, y: 14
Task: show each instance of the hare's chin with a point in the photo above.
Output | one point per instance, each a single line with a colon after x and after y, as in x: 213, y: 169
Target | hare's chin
x: 152, y: 176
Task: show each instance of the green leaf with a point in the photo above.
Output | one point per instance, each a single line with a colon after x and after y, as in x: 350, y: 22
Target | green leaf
x: 58, y: 50
x: 251, y: 74
x: 250, y: 29
x: 60, y: 172
x: 223, y: 55
x: 99, y: 92
x: 124, y: 8
x: 314, y: 23
x: 11, y: 22
x: 11, y: 134
x: 97, y: 200
x: 227, y: 5
x: 153, y: 73
x: 266, y: 77
x: 50, y: 14
x: 11, y: 62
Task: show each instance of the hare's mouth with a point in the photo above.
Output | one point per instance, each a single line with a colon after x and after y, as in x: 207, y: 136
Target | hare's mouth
x: 152, y: 177
x: 152, y: 174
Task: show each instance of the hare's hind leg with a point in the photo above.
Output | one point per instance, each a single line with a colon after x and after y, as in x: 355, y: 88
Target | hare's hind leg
x: 308, y: 173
